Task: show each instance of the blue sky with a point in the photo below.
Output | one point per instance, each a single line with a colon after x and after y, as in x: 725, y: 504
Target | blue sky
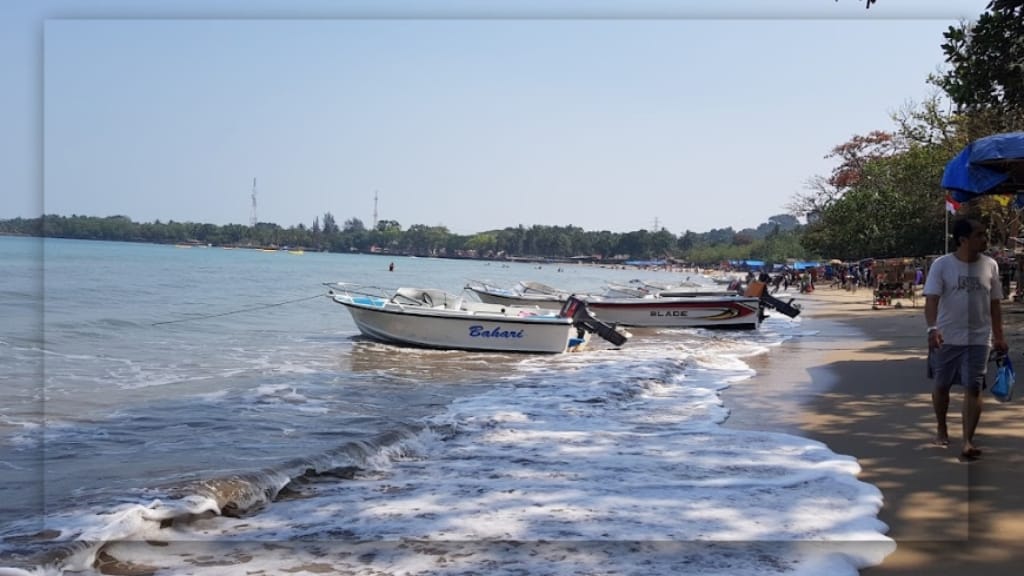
x: 473, y: 115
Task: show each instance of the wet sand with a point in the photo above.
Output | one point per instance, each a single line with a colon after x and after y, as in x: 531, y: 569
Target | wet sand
x: 856, y: 381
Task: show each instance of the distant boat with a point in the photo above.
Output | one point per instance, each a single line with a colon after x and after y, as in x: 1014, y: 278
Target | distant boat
x: 297, y: 251
x: 191, y: 244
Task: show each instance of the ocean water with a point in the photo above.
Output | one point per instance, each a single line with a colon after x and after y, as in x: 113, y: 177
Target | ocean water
x: 209, y: 411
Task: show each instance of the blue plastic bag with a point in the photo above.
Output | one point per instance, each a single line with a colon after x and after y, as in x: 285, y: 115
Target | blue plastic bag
x: 1002, y: 389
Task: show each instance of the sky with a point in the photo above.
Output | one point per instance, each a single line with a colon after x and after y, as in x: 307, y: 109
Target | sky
x: 684, y: 115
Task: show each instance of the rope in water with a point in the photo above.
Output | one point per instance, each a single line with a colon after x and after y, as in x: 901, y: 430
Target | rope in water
x: 250, y: 309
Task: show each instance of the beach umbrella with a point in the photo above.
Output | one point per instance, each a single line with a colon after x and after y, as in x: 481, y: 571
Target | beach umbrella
x: 990, y: 165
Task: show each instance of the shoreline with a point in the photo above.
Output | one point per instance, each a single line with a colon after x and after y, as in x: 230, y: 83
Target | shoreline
x: 856, y: 382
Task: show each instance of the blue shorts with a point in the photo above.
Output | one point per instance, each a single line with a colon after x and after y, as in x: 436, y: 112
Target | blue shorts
x: 964, y: 365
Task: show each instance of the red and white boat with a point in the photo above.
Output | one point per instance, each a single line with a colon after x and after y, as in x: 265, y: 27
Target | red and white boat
x: 677, y: 307
x: 726, y: 311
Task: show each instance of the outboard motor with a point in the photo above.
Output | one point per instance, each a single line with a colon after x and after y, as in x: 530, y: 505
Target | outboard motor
x: 582, y: 318
x: 760, y: 290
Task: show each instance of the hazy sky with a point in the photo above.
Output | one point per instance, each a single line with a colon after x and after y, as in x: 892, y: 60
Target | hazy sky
x: 473, y: 115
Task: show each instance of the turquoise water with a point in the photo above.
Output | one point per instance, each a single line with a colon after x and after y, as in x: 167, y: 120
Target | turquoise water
x: 184, y: 395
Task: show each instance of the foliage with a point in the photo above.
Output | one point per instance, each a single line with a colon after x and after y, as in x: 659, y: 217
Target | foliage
x: 894, y: 210
x: 774, y: 240
x: 884, y: 198
x: 986, y: 75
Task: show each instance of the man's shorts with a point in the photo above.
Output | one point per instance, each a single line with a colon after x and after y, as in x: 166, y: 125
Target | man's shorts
x: 963, y: 365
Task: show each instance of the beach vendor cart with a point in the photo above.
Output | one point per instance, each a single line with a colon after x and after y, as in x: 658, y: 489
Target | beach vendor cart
x: 896, y: 279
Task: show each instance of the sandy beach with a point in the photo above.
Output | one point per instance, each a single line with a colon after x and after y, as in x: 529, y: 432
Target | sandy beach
x: 855, y: 380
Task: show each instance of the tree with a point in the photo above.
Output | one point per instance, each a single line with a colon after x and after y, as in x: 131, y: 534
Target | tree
x: 354, y: 225
x: 388, y: 226
x: 894, y: 210
x: 986, y: 75
x: 330, y: 227
x: 784, y: 222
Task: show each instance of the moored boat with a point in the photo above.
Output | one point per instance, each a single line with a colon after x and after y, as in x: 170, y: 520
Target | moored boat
x: 732, y: 311
x: 691, y: 309
x: 431, y: 318
x: 522, y: 294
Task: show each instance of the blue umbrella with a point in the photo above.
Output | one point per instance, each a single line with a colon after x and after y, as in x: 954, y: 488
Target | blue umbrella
x: 990, y: 165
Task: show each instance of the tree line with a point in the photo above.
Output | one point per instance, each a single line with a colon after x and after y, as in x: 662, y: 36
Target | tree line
x: 776, y: 240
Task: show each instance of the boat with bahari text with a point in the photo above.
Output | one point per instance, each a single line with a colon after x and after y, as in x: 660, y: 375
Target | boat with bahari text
x: 432, y: 318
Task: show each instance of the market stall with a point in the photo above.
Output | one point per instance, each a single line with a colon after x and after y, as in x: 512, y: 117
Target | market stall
x: 897, y: 279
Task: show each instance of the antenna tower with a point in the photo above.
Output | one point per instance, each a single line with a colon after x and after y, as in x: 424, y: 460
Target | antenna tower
x: 252, y: 216
x: 374, y: 209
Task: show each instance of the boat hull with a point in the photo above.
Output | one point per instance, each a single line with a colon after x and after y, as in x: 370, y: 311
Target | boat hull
x: 458, y: 330
x: 683, y: 312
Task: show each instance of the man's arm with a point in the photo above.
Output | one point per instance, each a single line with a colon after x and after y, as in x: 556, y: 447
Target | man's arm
x: 931, y: 310
x: 931, y: 316
x: 998, y: 340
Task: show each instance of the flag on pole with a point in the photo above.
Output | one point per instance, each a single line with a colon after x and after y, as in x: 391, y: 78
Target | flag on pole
x: 951, y: 205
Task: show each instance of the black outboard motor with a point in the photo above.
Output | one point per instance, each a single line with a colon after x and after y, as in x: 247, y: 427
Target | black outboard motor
x: 579, y: 312
x: 760, y: 290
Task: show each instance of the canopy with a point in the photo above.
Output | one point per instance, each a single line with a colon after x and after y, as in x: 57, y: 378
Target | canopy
x: 990, y: 165
x: 748, y: 263
x: 645, y: 262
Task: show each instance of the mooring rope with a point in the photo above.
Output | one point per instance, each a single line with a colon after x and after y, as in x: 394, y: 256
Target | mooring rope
x: 250, y: 309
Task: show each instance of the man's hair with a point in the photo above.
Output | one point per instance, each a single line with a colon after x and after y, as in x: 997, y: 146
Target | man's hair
x: 962, y: 228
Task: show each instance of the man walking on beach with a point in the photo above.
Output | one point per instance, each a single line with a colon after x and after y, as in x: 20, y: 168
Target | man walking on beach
x: 964, y: 315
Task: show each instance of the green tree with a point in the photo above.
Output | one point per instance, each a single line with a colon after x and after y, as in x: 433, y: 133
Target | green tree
x: 986, y: 75
x: 354, y: 225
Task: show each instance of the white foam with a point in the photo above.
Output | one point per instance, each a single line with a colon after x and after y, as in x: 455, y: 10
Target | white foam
x: 599, y: 454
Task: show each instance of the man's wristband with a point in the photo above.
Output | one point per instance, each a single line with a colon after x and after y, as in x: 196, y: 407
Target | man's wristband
x: 932, y: 329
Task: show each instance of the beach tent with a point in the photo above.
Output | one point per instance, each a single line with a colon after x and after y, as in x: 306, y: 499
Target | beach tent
x: 756, y: 264
x: 990, y: 165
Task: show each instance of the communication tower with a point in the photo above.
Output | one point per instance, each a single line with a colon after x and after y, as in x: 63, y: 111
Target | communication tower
x: 374, y: 209
x: 252, y: 216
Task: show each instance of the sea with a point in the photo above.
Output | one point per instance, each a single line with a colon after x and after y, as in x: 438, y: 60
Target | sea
x: 208, y: 411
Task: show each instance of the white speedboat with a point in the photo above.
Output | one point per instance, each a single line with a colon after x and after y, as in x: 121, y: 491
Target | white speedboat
x: 431, y: 318
x: 640, y: 288
x: 522, y: 294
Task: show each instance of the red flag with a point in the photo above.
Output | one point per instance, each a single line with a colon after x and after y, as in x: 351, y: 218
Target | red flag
x: 952, y: 205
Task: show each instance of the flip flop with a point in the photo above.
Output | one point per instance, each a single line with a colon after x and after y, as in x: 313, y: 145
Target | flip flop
x: 973, y: 452
x: 941, y: 442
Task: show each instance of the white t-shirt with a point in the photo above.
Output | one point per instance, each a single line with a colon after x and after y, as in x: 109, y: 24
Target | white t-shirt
x: 966, y: 291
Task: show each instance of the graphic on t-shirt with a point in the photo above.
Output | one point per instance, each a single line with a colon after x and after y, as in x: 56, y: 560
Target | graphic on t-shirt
x: 969, y: 283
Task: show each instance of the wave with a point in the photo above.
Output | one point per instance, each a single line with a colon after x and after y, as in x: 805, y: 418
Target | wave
x: 582, y: 448
x: 84, y: 536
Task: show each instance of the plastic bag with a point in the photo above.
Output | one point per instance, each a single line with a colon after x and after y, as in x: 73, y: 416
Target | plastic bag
x: 1002, y: 389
